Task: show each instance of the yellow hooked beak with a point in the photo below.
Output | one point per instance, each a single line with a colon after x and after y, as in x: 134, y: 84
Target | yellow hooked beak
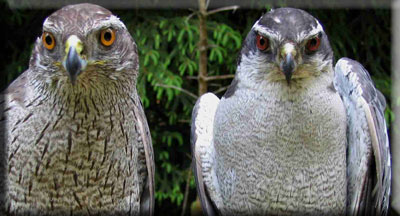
x: 73, y: 63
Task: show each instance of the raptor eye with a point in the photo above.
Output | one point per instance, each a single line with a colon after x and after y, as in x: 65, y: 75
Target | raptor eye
x: 313, y: 44
x: 107, y: 37
x: 48, y: 40
x: 262, y: 43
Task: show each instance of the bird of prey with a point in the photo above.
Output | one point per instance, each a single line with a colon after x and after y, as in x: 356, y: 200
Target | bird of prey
x: 76, y: 139
x: 292, y: 135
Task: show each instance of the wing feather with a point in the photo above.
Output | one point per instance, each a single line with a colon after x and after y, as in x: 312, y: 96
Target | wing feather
x: 147, y: 198
x: 368, y: 153
x: 201, y: 139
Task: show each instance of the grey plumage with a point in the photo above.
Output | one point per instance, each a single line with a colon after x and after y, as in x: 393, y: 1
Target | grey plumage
x: 365, y: 107
x: 76, y: 136
x: 292, y: 135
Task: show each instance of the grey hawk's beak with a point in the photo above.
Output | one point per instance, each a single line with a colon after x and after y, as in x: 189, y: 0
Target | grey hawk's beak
x: 73, y: 63
x: 288, y: 63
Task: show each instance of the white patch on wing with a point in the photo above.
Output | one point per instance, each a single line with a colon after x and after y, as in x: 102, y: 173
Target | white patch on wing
x: 204, y: 146
x: 344, y: 66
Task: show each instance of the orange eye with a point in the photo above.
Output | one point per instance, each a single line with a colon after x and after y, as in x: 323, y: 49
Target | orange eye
x: 107, y: 37
x: 48, y: 40
x: 262, y: 43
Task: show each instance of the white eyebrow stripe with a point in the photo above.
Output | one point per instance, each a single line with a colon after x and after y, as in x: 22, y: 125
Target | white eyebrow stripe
x: 304, y: 34
x: 50, y: 26
x: 112, y: 21
x: 89, y: 27
x: 265, y: 31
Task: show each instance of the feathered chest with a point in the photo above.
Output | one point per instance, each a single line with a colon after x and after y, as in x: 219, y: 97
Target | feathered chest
x: 308, y: 122
x: 281, y: 153
x: 81, y: 154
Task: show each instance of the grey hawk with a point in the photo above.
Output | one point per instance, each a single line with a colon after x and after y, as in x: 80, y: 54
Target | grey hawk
x: 77, y: 140
x: 292, y: 135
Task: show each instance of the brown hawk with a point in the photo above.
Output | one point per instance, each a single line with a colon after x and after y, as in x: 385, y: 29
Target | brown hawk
x: 76, y: 139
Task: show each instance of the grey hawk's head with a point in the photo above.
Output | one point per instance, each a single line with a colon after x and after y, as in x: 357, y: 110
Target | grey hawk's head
x: 83, y: 46
x: 284, y: 45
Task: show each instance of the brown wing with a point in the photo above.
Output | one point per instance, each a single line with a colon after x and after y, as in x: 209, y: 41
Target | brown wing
x: 11, y: 104
x: 147, y: 197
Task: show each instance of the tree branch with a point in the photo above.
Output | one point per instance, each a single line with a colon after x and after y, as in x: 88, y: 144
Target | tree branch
x: 233, y: 7
x: 217, y: 77
x: 192, y: 14
x: 178, y: 88
x: 202, y: 47
x: 221, y: 89
x: 185, y: 199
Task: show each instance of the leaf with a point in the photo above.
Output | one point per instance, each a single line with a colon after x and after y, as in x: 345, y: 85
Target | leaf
x: 157, y: 39
x: 180, y: 36
x: 182, y: 68
x: 162, y: 23
x: 146, y: 60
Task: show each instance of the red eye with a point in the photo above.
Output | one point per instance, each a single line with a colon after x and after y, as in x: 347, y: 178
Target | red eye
x: 262, y: 43
x: 313, y: 44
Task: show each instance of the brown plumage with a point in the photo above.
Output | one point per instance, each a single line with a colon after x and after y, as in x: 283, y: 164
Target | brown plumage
x: 76, y: 136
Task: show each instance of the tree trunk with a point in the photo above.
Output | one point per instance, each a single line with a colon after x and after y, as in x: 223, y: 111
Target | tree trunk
x: 203, y: 48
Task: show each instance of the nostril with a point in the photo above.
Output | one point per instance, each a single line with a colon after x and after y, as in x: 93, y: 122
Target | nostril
x: 80, y: 51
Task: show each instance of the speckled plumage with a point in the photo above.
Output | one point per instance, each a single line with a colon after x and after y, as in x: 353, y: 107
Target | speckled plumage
x: 273, y: 146
x: 82, y: 148
x: 298, y: 150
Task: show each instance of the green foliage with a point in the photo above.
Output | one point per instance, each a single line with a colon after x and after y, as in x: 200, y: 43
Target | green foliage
x: 21, y: 30
x: 169, y: 54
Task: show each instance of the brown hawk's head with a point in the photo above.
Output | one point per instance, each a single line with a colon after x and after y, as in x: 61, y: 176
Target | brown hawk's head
x: 83, y: 45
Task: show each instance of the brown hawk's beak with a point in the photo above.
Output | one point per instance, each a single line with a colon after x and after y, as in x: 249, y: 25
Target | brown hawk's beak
x: 74, y: 64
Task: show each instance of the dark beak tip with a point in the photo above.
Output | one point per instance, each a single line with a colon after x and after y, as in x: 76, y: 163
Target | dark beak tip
x: 287, y: 71
x: 73, y: 80
x: 287, y: 67
x: 288, y: 78
x: 73, y: 64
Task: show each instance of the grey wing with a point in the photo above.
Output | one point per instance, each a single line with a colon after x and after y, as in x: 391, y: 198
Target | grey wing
x: 201, y: 139
x: 368, y: 153
x: 147, y: 197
